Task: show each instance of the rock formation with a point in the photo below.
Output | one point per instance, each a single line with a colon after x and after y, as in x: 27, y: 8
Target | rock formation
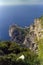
x: 27, y: 36
x: 17, y: 34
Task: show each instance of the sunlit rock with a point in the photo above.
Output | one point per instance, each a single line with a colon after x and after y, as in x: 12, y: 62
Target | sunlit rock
x: 22, y: 57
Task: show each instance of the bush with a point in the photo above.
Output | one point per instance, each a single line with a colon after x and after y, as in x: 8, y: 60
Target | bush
x: 11, y: 51
x: 40, y: 53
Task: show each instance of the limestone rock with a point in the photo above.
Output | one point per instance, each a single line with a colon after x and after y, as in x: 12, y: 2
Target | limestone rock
x: 27, y: 36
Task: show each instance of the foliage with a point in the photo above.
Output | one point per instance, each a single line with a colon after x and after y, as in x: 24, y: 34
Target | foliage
x: 10, y: 51
x: 40, y: 48
x: 41, y: 18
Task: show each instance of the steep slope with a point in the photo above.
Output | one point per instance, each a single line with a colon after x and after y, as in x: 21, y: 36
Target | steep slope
x: 28, y: 36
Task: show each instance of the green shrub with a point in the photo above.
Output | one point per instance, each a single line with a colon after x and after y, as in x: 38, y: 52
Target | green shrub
x: 11, y: 51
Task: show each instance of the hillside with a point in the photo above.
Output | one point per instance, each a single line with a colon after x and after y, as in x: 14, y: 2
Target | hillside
x: 25, y: 46
x: 28, y: 36
x: 31, y: 36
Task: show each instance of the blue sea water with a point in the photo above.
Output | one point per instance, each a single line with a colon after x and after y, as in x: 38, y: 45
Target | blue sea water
x: 22, y: 15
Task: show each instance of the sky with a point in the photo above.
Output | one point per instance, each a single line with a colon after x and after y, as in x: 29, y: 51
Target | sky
x: 17, y: 2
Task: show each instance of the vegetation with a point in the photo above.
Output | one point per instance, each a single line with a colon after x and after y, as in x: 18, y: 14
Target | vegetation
x: 10, y: 51
x: 40, y: 53
x: 41, y: 18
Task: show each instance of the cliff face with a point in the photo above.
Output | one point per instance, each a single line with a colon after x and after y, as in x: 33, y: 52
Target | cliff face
x: 17, y: 33
x: 28, y: 36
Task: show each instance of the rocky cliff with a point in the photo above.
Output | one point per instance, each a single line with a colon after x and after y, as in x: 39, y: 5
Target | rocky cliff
x: 28, y: 36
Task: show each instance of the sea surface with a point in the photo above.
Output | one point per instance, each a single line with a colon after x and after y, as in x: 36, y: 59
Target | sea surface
x: 22, y: 15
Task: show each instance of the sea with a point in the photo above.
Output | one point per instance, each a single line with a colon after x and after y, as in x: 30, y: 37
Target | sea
x: 22, y: 15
